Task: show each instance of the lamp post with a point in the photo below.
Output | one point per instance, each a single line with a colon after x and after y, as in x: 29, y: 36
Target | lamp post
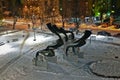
x: 42, y: 21
x: 53, y: 10
x: 34, y: 34
x: 61, y: 10
x: 14, y: 22
x: 33, y: 22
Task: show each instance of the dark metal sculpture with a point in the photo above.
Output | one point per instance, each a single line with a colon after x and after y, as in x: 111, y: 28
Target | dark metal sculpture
x: 59, y: 42
x: 49, y: 51
x: 61, y: 30
x: 80, y: 42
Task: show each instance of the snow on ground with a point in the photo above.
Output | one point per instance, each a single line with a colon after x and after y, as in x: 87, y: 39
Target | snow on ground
x: 14, y: 66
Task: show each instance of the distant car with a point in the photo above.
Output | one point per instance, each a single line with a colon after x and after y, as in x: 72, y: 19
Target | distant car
x: 96, y: 20
x: 2, y: 43
x: 116, y: 35
x: 104, y: 33
x: 1, y: 26
x: 117, y: 21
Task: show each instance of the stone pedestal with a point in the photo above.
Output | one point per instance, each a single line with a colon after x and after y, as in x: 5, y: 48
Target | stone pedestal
x: 52, y: 59
x: 40, y: 64
x: 106, y: 68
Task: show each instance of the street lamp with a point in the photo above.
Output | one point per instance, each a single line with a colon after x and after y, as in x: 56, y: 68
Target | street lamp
x: 34, y: 34
x: 53, y: 10
x: 14, y: 22
x: 61, y: 10
x: 33, y: 22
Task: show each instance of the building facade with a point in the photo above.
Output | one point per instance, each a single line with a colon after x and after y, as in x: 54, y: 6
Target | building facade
x: 50, y: 8
x: 76, y: 8
x: 41, y: 8
x: 3, y: 8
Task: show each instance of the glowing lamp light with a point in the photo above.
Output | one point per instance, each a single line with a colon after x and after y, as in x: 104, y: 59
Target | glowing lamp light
x: 112, y: 11
x: 108, y: 13
x: 60, y: 9
x: 97, y: 13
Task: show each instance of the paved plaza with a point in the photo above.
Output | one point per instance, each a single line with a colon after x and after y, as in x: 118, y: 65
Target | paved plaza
x: 98, y: 59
